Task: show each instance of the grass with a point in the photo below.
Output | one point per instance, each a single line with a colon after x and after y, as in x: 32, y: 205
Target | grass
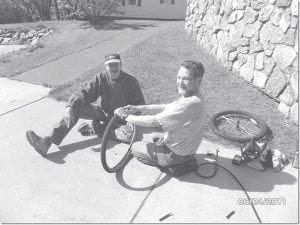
x: 68, y: 37
x: 155, y: 62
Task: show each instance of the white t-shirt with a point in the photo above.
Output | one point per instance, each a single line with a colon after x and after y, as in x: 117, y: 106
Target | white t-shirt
x: 183, y: 122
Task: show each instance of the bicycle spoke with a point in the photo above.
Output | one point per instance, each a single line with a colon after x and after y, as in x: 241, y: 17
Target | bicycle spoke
x: 232, y: 123
x: 241, y: 126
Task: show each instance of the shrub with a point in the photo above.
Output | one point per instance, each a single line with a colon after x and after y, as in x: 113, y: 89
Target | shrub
x: 91, y: 10
x: 15, y: 11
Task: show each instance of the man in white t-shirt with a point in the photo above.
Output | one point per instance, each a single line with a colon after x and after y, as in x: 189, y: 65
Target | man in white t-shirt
x: 182, y: 123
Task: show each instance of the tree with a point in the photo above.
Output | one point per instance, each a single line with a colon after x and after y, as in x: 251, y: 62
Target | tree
x: 57, y: 13
x: 43, y: 8
x: 91, y: 10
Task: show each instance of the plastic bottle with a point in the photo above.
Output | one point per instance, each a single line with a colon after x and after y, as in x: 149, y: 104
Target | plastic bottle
x: 277, y: 160
x: 296, y: 160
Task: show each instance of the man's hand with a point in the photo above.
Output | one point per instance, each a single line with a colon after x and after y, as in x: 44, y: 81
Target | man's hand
x: 122, y: 113
x: 69, y: 117
x: 131, y: 109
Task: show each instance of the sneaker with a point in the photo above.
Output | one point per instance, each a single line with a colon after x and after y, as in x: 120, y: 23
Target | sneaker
x: 145, y: 159
x: 97, y: 128
x: 41, y: 145
x: 186, y: 167
x: 86, y: 130
x: 123, y: 133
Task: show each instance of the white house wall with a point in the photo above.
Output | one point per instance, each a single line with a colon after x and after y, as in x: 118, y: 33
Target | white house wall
x: 153, y: 9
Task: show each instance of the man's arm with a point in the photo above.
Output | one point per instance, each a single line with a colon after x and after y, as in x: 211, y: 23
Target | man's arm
x: 145, y: 109
x: 145, y: 121
x: 88, y: 93
x: 141, y: 120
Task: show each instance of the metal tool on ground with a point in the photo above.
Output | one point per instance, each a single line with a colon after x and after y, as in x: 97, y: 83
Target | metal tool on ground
x: 230, y: 214
x: 166, y: 216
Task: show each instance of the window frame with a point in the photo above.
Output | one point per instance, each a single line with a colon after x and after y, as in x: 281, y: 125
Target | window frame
x: 168, y: 2
x: 129, y: 2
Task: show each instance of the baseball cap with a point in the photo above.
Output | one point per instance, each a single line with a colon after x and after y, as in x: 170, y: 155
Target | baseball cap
x: 110, y: 58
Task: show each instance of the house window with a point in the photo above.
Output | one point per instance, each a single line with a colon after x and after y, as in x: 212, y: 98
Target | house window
x: 167, y: 2
x: 132, y: 2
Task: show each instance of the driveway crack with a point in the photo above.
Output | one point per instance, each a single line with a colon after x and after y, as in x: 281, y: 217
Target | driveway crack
x: 145, y: 199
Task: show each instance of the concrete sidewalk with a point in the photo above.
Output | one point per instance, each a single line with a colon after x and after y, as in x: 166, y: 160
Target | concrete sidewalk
x: 15, y: 94
x: 72, y: 66
x: 70, y: 185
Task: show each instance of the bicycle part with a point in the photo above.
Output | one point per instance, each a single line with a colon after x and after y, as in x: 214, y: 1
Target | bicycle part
x: 251, y: 150
x: 119, y: 153
x: 239, y: 126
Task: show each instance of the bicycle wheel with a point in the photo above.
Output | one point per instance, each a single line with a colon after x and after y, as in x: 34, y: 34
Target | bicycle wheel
x: 239, y: 126
x: 115, y: 154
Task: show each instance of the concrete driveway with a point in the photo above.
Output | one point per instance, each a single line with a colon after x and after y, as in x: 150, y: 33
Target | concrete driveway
x: 70, y: 185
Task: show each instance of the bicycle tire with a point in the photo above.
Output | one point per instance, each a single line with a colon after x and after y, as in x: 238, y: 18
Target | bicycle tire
x: 259, y: 121
x: 126, y: 157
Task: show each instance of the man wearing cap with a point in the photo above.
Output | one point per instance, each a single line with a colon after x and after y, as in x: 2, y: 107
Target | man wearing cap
x: 115, y: 87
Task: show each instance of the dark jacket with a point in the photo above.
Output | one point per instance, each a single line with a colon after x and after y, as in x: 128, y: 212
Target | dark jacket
x: 112, y: 93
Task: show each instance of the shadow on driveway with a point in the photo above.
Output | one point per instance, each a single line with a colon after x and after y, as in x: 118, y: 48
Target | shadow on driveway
x: 113, y: 25
x: 160, y: 181
x: 58, y: 157
x: 253, y: 180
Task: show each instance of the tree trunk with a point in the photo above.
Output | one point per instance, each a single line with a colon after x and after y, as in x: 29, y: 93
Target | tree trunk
x: 56, y: 10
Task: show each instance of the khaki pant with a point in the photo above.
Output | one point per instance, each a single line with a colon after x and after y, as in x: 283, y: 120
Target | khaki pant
x: 155, y: 154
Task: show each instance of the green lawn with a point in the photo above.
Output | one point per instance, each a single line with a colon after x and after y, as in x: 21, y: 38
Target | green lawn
x: 68, y: 37
x: 155, y: 62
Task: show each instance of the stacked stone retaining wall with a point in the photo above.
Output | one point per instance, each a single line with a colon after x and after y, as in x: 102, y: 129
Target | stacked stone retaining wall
x: 22, y: 36
x: 256, y: 38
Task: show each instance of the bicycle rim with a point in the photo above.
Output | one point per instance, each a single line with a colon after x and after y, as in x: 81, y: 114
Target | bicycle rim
x: 115, y: 154
x: 238, y: 125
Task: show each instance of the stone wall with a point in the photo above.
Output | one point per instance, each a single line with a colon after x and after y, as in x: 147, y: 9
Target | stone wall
x: 22, y: 36
x: 256, y: 38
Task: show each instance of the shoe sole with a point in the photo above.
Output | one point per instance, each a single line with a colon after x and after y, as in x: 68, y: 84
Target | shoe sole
x: 33, y: 144
x: 86, y: 130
